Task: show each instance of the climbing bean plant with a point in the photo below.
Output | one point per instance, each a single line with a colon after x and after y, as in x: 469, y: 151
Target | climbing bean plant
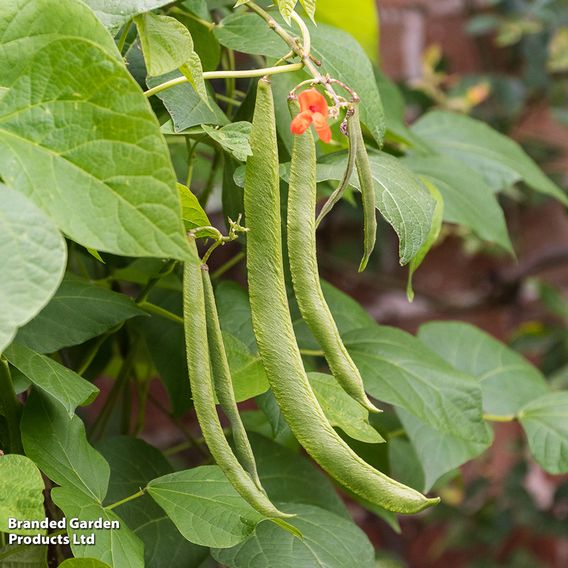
x: 137, y: 138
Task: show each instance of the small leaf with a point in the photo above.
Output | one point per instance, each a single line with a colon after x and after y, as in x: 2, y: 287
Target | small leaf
x: 60, y: 383
x: 167, y: 45
x: 310, y: 8
x: 437, y: 218
x: 205, y: 507
x: 78, y: 311
x: 113, y: 546
x: 500, y: 160
x: 234, y: 138
x: 507, y: 380
x: 21, y: 493
x: 32, y: 256
x: 191, y: 211
x: 545, y: 421
x: 271, y: 546
x: 341, y: 410
x: 59, y: 446
x: 83, y: 563
x: 286, y: 8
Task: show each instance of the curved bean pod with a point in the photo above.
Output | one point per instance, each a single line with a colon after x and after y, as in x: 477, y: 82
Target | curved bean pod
x: 203, y: 395
x: 275, y: 335
x: 302, y: 188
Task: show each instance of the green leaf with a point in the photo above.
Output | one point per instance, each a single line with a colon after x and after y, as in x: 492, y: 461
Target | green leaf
x: 205, y: 507
x: 191, y: 211
x: 59, y: 446
x: 78, y: 137
x: 286, y: 8
x: 290, y: 477
x: 433, y: 235
x: 78, y: 311
x: 500, y: 160
x: 362, y: 23
x: 167, y: 45
x: 185, y: 106
x: 310, y: 8
x: 468, y: 200
x: 234, y: 312
x: 271, y: 547
x: 402, y: 199
x: 114, y: 546
x: 31, y: 556
x: 60, y: 383
x: 400, y: 370
x: 134, y: 463
x: 507, y: 380
x: 545, y: 421
x: 234, y: 138
x: 83, y: 563
x: 341, y: 410
x: 247, y: 33
x: 439, y: 452
x: 247, y: 371
x: 21, y: 493
x: 32, y: 256
x: 115, y: 14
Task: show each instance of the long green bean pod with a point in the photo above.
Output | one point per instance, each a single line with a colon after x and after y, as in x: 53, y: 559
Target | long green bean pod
x: 367, y: 191
x: 275, y: 335
x: 223, y: 382
x: 199, y: 368
x: 344, y: 182
x: 302, y: 190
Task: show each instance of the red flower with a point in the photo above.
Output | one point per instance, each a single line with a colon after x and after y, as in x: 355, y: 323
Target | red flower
x: 313, y: 109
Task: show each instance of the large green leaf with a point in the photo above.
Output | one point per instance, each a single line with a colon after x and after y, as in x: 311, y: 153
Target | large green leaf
x: 500, y: 160
x: 115, y: 13
x: 58, y: 445
x: 134, y: 463
x: 21, y: 493
x: 341, y: 410
x: 468, y: 200
x: 32, y: 257
x: 439, y: 452
x: 234, y: 312
x: 290, y: 477
x: 62, y: 384
x: 508, y: 381
x: 401, y: 198
x: 545, y: 421
x: 400, y: 370
x: 233, y: 138
x: 77, y: 312
x: 77, y: 135
x: 205, y: 507
x: 114, y: 546
x: 83, y: 563
x: 329, y: 541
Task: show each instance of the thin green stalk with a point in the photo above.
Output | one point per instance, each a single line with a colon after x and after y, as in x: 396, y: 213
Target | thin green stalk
x: 497, y: 418
x: 208, y: 75
x: 164, y: 271
x: 228, y: 100
x: 125, y: 500
x: 10, y: 408
x: 312, y: 352
x: 159, y: 311
x: 188, y: 14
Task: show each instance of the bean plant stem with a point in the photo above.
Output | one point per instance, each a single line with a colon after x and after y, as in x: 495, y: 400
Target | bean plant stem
x: 497, y: 418
x: 125, y: 500
x: 208, y: 75
x: 162, y: 312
